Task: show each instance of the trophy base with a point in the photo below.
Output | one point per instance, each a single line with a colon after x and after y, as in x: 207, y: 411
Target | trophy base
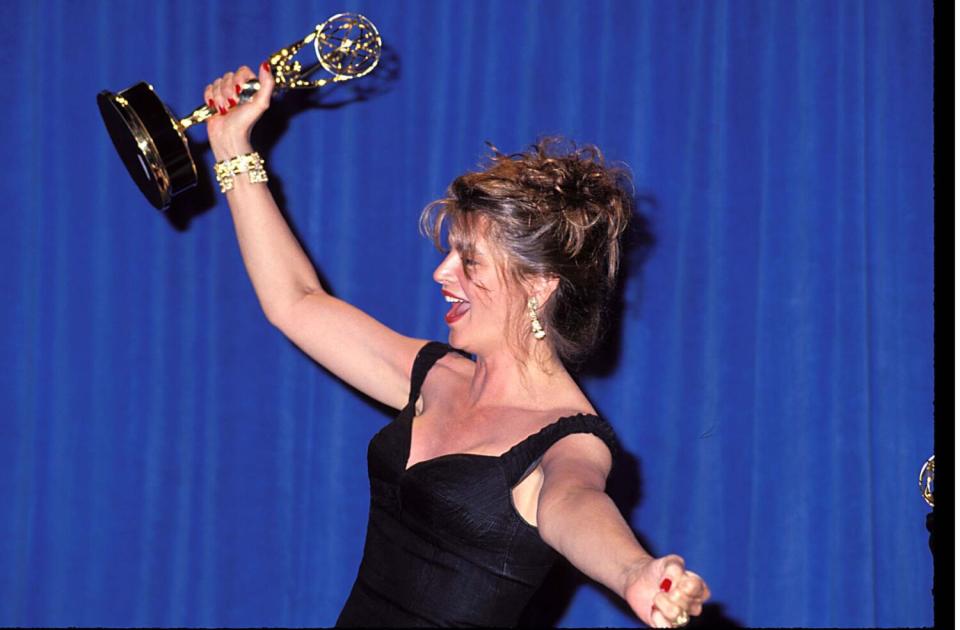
x: 150, y: 142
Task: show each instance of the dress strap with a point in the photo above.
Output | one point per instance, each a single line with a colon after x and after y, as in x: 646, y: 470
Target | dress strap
x: 520, y: 459
x: 429, y: 354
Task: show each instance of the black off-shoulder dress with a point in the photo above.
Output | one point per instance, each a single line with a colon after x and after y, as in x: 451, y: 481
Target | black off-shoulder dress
x: 444, y: 545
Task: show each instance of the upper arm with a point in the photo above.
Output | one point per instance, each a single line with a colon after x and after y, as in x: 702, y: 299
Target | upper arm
x: 579, y: 461
x: 354, y: 346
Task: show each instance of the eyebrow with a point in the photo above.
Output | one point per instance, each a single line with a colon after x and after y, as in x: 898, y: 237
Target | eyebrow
x: 475, y: 252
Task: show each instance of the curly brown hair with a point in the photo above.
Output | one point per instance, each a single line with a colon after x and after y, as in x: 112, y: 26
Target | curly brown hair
x: 556, y: 211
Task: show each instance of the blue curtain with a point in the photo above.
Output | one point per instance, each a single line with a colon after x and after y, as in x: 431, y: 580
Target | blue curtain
x: 170, y: 459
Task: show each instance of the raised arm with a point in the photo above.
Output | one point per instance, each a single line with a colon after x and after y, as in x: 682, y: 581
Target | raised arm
x: 578, y: 519
x: 351, y: 344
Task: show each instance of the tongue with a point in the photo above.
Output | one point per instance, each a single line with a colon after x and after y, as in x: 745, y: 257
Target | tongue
x: 457, y: 310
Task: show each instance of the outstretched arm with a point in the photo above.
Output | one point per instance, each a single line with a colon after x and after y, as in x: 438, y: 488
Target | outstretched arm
x: 578, y: 519
x: 348, y: 342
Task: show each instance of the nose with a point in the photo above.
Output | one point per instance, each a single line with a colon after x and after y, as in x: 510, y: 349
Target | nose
x: 443, y: 274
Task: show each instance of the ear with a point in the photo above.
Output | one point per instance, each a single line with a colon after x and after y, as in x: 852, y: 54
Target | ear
x: 542, y: 287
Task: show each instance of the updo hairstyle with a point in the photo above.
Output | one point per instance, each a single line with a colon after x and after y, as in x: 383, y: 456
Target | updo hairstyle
x: 555, y: 210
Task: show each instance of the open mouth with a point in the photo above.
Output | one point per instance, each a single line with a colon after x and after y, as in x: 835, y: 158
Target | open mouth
x: 458, y: 307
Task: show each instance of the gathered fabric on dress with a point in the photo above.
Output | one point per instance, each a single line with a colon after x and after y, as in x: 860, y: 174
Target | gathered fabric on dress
x: 445, y: 545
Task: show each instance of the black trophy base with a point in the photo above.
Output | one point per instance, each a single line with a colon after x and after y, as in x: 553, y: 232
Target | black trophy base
x: 150, y: 142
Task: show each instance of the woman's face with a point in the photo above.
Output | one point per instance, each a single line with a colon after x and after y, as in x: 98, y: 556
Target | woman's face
x: 481, y: 305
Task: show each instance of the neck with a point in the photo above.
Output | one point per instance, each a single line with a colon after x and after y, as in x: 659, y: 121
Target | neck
x: 500, y: 378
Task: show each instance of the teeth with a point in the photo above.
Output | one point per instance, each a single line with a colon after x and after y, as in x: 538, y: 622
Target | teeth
x: 451, y: 299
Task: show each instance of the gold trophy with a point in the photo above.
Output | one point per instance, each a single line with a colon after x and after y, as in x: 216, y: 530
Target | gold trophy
x: 926, y: 490
x: 926, y: 481
x: 151, y: 140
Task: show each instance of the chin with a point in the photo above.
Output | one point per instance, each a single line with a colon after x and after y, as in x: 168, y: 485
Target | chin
x: 471, y: 344
x: 456, y: 340
x: 461, y: 339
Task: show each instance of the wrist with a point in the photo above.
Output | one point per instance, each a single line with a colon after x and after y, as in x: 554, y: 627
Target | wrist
x: 250, y: 163
x: 633, y: 571
x: 227, y: 148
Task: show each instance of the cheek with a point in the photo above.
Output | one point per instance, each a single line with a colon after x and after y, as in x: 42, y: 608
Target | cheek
x: 473, y: 288
x: 486, y: 295
x: 501, y: 309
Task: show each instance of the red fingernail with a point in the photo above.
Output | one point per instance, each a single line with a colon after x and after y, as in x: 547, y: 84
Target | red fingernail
x: 232, y: 102
x: 665, y: 585
x: 212, y: 104
x: 223, y: 111
x: 238, y: 88
x: 266, y: 66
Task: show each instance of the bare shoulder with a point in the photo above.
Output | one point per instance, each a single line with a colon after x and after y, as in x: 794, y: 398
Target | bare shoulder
x: 447, y: 379
x: 457, y: 364
x: 581, y: 458
x: 451, y: 368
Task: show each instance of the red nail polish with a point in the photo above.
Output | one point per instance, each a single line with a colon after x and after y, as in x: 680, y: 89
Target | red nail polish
x: 232, y: 102
x: 238, y: 88
x: 266, y: 66
x: 223, y: 111
x: 212, y: 104
x: 665, y: 585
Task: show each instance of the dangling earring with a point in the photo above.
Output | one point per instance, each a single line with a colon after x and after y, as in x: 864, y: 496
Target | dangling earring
x: 538, y: 332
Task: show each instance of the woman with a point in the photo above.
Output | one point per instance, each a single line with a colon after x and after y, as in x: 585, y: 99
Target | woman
x: 495, y: 465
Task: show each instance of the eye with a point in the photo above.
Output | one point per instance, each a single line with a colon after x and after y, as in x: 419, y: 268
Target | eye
x: 468, y: 262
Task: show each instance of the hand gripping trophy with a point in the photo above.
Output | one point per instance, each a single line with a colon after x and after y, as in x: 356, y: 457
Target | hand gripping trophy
x: 151, y: 140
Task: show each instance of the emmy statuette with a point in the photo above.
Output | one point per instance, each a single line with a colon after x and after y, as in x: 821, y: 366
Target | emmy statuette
x: 151, y: 141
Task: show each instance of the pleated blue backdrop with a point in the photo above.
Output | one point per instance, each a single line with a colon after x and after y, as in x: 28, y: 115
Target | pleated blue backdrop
x: 170, y: 459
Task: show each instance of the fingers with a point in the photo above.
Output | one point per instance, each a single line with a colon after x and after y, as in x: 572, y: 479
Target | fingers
x: 671, y: 600
x: 659, y: 621
x: 265, y: 75
x: 227, y: 91
x: 208, y: 97
x: 671, y: 573
x: 681, y: 592
x: 224, y: 93
x: 243, y: 74
x: 693, y: 586
x: 241, y: 78
x: 214, y: 95
x: 668, y: 608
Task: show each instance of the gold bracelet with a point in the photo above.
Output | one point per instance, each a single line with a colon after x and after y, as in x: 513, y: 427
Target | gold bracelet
x: 249, y: 163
